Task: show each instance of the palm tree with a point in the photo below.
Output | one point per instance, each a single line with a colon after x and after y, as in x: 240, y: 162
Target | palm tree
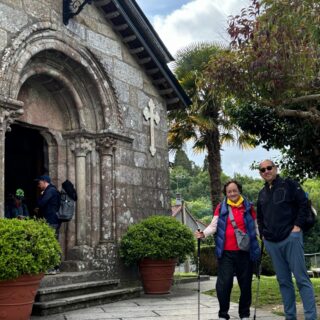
x: 204, y: 122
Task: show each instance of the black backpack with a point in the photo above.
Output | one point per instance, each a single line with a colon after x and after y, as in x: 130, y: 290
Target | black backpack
x: 311, y: 217
x: 68, y: 200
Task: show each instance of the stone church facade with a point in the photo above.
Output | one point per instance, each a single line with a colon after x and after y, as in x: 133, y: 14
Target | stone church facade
x: 86, y: 101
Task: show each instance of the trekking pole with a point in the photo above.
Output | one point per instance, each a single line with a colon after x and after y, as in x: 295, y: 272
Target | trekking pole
x: 259, y: 269
x: 198, y: 266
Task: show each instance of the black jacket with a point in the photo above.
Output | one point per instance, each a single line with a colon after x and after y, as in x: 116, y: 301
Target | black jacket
x: 279, y: 208
x: 49, y: 204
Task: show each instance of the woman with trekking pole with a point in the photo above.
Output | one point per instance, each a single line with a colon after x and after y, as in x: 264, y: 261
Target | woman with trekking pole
x: 237, y: 247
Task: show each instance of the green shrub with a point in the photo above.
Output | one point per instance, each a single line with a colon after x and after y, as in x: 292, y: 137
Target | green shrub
x: 157, y: 237
x: 26, y: 247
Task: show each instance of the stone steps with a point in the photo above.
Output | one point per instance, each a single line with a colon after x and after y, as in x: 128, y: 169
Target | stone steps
x: 72, y: 291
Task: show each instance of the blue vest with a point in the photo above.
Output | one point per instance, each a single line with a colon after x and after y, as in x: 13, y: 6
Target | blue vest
x: 250, y: 227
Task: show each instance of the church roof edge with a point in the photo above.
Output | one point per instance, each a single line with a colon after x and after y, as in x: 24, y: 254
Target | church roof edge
x: 143, y: 42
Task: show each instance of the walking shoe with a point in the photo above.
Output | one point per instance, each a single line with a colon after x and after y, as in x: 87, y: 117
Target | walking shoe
x: 51, y: 272
x: 244, y: 318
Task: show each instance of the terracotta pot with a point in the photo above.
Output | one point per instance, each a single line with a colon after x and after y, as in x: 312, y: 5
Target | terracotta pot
x: 17, y: 297
x: 157, y: 275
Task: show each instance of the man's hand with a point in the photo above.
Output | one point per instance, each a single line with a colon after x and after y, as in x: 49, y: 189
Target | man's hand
x: 296, y: 229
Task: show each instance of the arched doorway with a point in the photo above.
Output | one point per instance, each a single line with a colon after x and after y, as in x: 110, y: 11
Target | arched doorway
x: 68, y: 99
x: 26, y: 157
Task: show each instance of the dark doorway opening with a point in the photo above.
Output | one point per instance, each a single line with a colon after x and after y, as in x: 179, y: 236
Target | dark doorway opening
x: 26, y: 157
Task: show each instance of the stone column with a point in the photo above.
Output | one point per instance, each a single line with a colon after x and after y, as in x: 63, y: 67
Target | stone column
x: 8, y: 114
x: 106, y: 148
x: 81, y: 146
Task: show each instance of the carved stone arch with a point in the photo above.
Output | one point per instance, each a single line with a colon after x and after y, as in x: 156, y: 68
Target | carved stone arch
x: 42, y: 50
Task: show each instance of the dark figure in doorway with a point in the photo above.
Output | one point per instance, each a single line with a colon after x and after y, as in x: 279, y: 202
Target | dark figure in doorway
x: 48, y: 206
x: 16, y: 208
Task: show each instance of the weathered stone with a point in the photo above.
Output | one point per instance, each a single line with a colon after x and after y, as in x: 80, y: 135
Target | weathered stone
x: 122, y: 89
x: 37, y: 9
x: 128, y: 74
x: 12, y: 20
x: 13, y: 3
x: 106, y: 45
x: 77, y: 29
x: 3, y: 39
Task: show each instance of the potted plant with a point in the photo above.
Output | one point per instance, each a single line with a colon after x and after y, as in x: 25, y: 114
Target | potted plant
x: 28, y: 248
x: 156, y: 244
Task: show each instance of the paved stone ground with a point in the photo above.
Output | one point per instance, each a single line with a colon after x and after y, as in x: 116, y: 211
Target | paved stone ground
x: 180, y: 304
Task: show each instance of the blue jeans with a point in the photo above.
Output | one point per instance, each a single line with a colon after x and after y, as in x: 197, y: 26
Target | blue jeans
x: 287, y: 259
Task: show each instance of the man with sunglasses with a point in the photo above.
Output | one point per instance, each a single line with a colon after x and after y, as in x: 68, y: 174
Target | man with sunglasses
x: 281, y: 211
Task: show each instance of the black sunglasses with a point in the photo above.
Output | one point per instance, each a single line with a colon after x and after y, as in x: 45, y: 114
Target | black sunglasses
x: 268, y: 168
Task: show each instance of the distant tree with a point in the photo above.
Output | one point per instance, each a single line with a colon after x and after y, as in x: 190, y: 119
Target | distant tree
x: 311, y: 238
x: 200, y: 186
x: 181, y: 159
x: 205, y: 164
x: 179, y: 182
x: 200, y: 207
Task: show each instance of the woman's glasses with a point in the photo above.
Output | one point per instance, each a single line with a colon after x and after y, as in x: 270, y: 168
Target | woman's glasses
x: 268, y: 168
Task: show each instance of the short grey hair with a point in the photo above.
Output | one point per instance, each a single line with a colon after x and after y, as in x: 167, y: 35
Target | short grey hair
x: 272, y: 163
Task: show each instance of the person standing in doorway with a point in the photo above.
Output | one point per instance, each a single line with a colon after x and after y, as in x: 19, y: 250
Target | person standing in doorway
x: 281, y: 211
x: 48, y: 206
x: 16, y: 208
x: 231, y: 259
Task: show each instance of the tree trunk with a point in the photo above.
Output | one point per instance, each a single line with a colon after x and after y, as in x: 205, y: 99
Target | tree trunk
x: 214, y: 167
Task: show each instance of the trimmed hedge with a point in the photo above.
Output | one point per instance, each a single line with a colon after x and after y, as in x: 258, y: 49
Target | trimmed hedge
x: 27, y: 246
x: 157, y: 237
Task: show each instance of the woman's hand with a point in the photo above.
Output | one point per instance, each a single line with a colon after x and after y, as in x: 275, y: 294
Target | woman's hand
x: 199, y: 234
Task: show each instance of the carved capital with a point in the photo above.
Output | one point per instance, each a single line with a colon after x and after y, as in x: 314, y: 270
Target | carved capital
x: 106, y: 145
x: 8, y: 116
x: 81, y: 146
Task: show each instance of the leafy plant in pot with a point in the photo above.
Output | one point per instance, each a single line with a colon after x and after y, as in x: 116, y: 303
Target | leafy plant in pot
x: 28, y: 248
x: 153, y: 243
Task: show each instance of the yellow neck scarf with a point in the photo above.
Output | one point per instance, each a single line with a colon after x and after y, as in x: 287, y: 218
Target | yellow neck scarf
x: 235, y: 204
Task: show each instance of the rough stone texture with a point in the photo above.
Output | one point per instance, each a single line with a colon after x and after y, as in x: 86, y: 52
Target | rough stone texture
x: 79, y: 86
x: 7, y: 20
x: 3, y: 39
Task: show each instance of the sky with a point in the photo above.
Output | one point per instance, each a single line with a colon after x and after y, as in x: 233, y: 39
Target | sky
x: 180, y: 23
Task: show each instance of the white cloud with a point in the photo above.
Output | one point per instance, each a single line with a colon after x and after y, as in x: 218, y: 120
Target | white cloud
x: 235, y: 160
x: 198, y: 20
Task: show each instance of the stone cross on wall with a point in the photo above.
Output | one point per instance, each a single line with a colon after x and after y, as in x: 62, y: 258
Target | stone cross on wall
x: 149, y: 113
